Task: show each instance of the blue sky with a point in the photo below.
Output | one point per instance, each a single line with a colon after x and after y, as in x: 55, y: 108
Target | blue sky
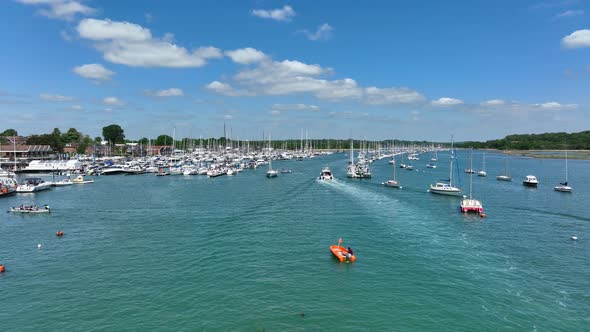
x: 373, y: 69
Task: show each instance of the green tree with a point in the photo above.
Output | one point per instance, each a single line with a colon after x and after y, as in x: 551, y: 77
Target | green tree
x: 9, y: 132
x: 163, y: 140
x: 84, y: 143
x: 71, y: 136
x: 113, y: 133
x: 97, y: 139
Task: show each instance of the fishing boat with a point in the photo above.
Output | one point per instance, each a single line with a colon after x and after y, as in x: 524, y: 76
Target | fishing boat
x: 326, y: 174
x: 563, y: 186
x: 30, y: 185
x: 33, y: 209
x: 483, y: 172
x: 341, y: 253
x: 80, y: 180
x: 393, y: 181
x: 443, y: 188
x: 506, y: 176
x: 530, y: 181
x: 470, y: 204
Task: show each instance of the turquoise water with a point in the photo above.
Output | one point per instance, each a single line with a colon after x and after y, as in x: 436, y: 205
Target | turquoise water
x: 250, y: 253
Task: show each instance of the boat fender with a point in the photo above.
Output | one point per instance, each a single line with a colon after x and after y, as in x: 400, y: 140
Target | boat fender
x: 4, y: 190
x: 2, y: 268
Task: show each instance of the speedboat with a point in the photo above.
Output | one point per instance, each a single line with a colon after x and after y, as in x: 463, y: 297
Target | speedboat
x: 444, y: 189
x: 326, y: 174
x: 470, y: 171
x: 112, y: 170
x: 30, y: 185
x: 431, y: 165
x: 80, y: 180
x: 482, y: 173
x: 134, y: 170
x: 30, y: 209
x: 530, y: 181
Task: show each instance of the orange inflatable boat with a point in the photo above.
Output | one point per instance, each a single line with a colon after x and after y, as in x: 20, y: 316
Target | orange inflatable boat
x: 340, y: 253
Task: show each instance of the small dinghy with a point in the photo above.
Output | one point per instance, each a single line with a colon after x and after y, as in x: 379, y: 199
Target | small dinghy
x: 342, y: 253
x: 30, y: 209
x: 80, y: 180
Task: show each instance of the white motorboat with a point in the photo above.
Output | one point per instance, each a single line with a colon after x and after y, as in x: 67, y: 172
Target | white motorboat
x: 530, y: 181
x: 30, y: 185
x: 30, y: 209
x: 134, y: 170
x: 215, y: 172
x: 430, y: 165
x: 112, y: 170
x: 80, y: 180
x: 326, y: 174
x: 563, y: 186
x: 190, y: 171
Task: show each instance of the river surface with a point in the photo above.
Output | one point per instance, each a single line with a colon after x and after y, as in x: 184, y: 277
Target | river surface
x: 247, y: 253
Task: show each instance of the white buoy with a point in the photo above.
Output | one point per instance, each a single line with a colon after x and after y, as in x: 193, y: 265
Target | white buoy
x: 575, y: 238
x: 39, y: 246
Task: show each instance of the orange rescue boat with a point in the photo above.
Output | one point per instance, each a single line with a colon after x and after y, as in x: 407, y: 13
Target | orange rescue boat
x: 341, y: 253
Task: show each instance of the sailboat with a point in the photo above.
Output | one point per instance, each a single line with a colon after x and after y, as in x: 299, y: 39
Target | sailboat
x: 392, y: 182
x: 443, y: 188
x: 470, y: 204
x: 483, y: 167
x: 271, y: 173
x: 351, y: 171
x: 506, y: 176
x: 563, y: 186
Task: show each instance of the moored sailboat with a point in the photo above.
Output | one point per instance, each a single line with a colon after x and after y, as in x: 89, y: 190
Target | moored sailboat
x: 563, y: 186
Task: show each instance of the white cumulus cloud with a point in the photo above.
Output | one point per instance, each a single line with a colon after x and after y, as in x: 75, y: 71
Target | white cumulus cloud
x: 282, y: 14
x: 555, y: 106
x: 246, y: 55
x: 94, y: 72
x: 324, y: 32
x: 577, y: 39
x: 60, y: 9
x: 493, y: 102
x: 133, y: 45
x: 291, y: 77
x: 113, y: 101
x: 55, y: 97
x: 172, y: 92
x: 446, y: 101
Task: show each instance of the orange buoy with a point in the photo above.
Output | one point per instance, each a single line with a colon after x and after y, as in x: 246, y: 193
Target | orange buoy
x: 59, y: 234
x: 483, y: 215
x: 2, y: 268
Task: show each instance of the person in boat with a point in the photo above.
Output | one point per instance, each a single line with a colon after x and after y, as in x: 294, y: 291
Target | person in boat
x: 349, y: 253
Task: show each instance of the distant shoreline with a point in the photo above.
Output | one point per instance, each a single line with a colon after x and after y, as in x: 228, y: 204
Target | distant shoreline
x: 549, y: 154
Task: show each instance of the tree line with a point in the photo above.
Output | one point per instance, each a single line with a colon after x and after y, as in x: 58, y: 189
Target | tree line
x: 546, y: 141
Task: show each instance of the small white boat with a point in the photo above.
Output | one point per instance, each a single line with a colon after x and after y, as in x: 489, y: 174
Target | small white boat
x: 326, y: 174
x: 62, y: 183
x: 271, y: 173
x: 393, y: 181
x: 530, y: 181
x: 483, y: 172
x: 30, y: 209
x: 506, y: 176
x: 430, y: 165
x: 80, y: 180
